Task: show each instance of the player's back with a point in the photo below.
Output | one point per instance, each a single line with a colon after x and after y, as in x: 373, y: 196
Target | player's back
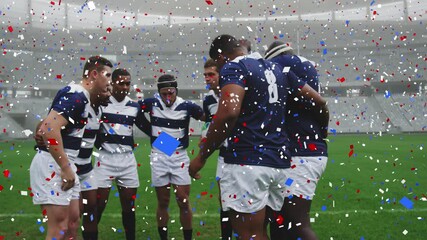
x: 257, y: 138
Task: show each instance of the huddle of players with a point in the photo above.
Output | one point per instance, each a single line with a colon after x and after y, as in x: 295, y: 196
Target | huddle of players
x: 258, y: 179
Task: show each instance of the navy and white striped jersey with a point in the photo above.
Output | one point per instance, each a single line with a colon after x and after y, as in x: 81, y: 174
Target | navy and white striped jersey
x: 116, y: 131
x: 258, y: 137
x: 303, y: 129
x: 84, y: 160
x: 210, y: 106
x: 172, y: 120
x: 71, y: 102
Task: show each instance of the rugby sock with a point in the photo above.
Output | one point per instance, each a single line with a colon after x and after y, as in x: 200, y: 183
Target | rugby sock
x: 128, y: 220
x: 188, y: 233
x: 90, y: 235
x: 163, y: 232
x: 226, y: 229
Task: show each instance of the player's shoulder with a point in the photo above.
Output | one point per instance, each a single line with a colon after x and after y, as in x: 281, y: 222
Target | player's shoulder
x: 131, y: 102
x: 74, y: 92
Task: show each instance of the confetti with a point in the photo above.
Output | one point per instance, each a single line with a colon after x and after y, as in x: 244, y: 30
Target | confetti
x: 166, y: 143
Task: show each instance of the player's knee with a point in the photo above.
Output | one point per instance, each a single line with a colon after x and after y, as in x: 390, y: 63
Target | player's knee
x: 183, y: 203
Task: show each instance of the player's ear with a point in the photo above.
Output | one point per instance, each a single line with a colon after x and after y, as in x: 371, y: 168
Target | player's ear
x: 93, y: 73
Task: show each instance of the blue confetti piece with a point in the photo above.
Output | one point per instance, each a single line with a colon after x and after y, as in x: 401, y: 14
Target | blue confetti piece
x: 347, y: 22
x: 406, y: 202
x: 322, y: 43
x: 372, y: 3
x: 208, y: 86
x: 52, y: 192
x: 91, y: 217
x: 111, y: 131
x: 204, y: 59
x: 116, y: 194
x: 325, y: 51
x: 281, y: 35
x: 323, y: 208
x: 166, y: 143
x: 296, y: 115
x: 87, y: 185
x: 289, y: 182
x: 387, y: 94
x: 41, y: 228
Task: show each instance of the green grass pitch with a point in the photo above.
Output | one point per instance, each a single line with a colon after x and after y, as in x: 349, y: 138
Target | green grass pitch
x: 358, y: 196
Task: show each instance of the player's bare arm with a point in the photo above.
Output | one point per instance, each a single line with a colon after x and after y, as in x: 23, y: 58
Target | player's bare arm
x: 51, y: 132
x: 228, y: 111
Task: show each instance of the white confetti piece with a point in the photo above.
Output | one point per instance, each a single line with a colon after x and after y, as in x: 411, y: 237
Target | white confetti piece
x: 249, y: 29
x: 27, y: 132
x: 91, y: 5
x: 405, y: 232
x: 24, y: 193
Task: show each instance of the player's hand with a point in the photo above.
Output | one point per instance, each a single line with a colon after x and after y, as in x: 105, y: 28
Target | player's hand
x: 68, y: 178
x: 195, y: 165
x: 39, y: 139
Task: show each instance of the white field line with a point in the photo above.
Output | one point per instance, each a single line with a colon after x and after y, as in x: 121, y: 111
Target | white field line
x: 215, y: 215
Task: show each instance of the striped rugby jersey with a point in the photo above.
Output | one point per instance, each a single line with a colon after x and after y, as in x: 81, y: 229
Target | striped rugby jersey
x: 84, y: 160
x: 116, y: 131
x: 71, y: 102
x: 210, y: 106
x: 172, y: 120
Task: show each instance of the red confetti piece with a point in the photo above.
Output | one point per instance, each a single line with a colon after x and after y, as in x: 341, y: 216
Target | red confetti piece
x: 413, y: 169
x: 236, y: 140
x: 337, y: 123
x: 203, y: 193
x: 358, y: 191
x: 52, y: 3
x: 109, y: 30
x: 1, y: 188
x: 350, y: 153
x: 44, y: 212
x: 293, y: 166
x: 410, y: 19
x: 209, y: 2
x: 341, y: 79
x: 6, y: 173
x: 312, y: 147
x: 134, y: 197
x: 403, y: 38
x: 52, y: 175
x: 351, y: 146
x: 52, y: 142
x: 10, y: 28
x: 279, y: 219
x: 138, y: 90
x: 182, y: 165
x: 82, y: 58
x: 59, y: 76
x: 374, y: 12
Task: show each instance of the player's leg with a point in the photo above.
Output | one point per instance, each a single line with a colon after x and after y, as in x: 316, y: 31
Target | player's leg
x: 89, y: 214
x: 224, y: 217
x: 162, y: 214
x: 127, y: 182
x: 102, y: 195
x: 296, y: 209
x: 127, y: 200
x: 73, y: 219
x: 180, y: 179
x: 57, y: 225
x: 182, y: 193
x: 249, y: 225
x: 104, y: 174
